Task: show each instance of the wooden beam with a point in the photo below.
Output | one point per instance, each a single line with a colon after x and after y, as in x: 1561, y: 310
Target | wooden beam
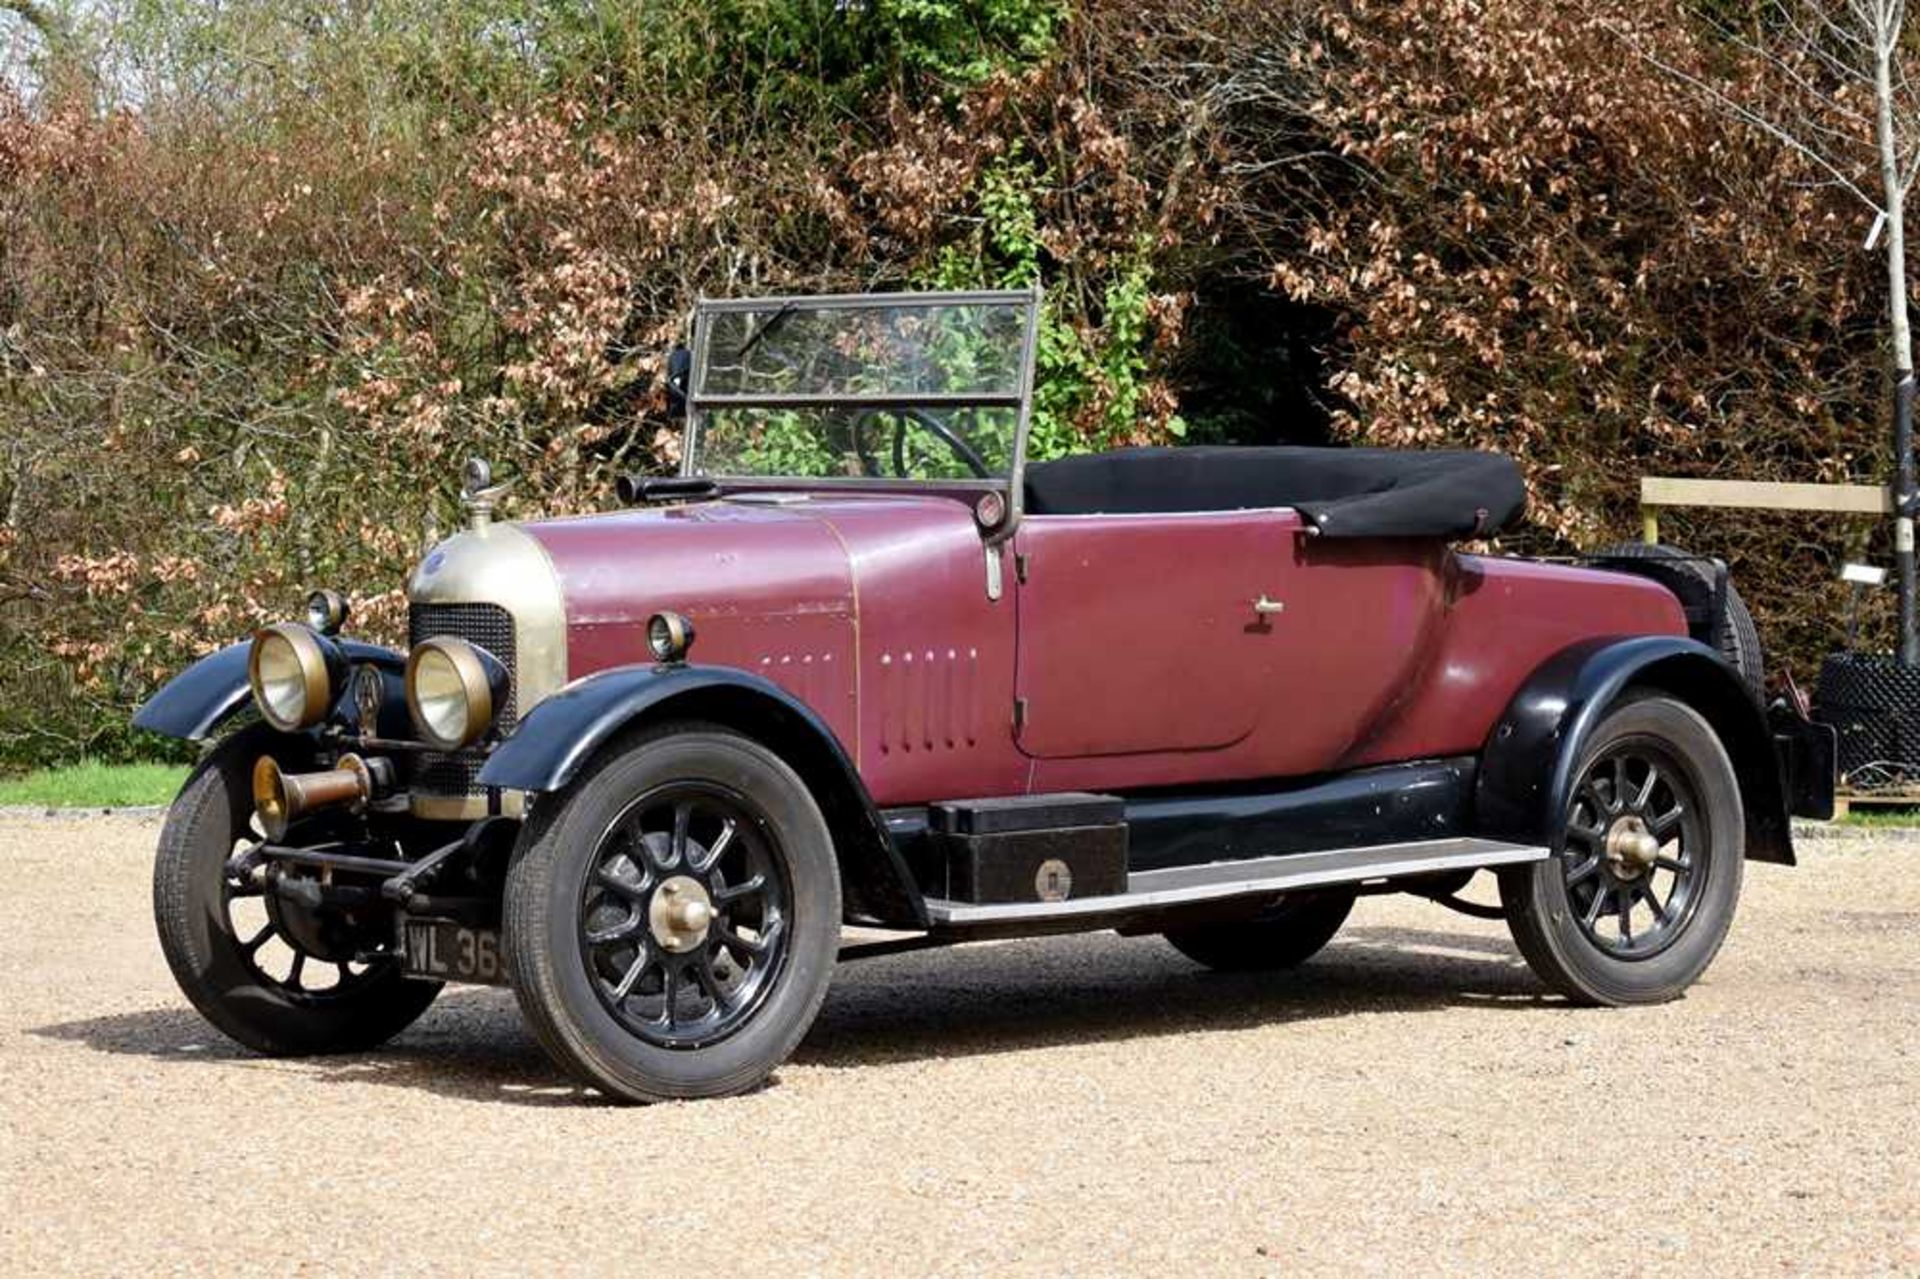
x: 1753, y: 495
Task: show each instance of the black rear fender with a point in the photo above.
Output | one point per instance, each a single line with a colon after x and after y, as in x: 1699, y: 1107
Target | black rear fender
x: 1528, y: 766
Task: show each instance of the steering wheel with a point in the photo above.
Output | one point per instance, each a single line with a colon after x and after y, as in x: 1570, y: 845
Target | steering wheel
x: 933, y: 425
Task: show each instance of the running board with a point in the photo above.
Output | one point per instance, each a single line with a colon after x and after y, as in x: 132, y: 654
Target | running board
x: 1151, y: 890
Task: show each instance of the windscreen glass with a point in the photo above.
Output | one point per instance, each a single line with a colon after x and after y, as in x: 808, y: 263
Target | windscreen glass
x: 926, y: 390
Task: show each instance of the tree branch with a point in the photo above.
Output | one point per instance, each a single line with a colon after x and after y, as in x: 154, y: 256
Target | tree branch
x: 1746, y: 115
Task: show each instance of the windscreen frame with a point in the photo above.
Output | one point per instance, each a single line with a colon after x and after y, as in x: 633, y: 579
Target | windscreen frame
x: 1020, y: 398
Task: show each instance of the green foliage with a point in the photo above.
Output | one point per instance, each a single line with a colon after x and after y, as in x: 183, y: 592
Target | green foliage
x: 1009, y: 244
x: 751, y: 442
x: 422, y: 62
x: 1092, y: 372
x: 966, y: 41
x: 1091, y: 384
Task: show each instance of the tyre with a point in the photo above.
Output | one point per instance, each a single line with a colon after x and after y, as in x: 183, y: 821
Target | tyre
x: 1691, y: 580
x: 271, y: 975
x: 1638, y: 902
x: 672, y: 916
x: 1283, y: 935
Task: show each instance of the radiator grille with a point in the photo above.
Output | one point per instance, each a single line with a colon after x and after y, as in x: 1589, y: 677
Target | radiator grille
x: 491, y: 627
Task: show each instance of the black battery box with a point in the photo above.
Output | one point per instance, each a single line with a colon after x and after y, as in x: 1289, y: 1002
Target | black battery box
x: 1030, y: 848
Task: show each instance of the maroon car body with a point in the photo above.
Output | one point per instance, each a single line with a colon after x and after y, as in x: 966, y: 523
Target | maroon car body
x: 865, y: 662
x: 1129, y: 640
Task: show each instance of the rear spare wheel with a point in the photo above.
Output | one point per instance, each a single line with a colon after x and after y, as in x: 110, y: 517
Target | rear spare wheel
x: 1723, y: 624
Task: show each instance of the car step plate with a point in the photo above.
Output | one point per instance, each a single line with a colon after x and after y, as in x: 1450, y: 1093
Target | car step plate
x: 446, y: 951
x: 1221, y: 881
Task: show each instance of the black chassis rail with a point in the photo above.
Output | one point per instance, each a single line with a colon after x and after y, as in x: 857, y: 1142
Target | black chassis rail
x: 405, y: 886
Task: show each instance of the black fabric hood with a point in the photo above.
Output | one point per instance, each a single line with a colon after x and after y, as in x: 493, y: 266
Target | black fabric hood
x: 1342, y: 492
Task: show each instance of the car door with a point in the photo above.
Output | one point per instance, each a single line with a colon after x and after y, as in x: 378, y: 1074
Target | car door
x: 1149, y: 633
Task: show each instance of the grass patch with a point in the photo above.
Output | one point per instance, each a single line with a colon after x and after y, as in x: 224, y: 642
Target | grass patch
x: 95, y: 785
x: 1883, y: 817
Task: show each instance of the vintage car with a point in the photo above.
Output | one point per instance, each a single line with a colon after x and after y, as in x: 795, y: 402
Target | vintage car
x: 862, y: 662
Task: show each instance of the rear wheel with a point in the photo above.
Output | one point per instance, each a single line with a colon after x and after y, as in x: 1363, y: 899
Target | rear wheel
x: 1285, y: 934
x: 672, y: 917
x: 275, y: 976
x: 1638, y: 901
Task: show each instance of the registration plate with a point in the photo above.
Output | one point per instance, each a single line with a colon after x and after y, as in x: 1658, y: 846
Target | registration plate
x: 453, y: 952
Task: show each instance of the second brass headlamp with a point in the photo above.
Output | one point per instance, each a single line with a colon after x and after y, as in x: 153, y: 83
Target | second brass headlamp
x: 455, y: 690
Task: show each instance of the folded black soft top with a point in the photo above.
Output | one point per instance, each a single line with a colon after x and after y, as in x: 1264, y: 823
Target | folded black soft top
x: 1342, y: 492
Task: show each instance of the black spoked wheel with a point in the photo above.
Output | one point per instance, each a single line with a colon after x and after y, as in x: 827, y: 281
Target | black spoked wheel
x: 276, y: 977
x: 1629, y: 860
x: 683, y: 916
x: 1642, y: 894
x: 672, y: 917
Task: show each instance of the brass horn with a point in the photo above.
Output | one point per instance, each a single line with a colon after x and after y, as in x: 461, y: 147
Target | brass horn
x: 280, y: 799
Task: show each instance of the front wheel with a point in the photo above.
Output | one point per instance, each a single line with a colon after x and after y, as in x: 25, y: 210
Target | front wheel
x: 276, y: 976
x: 1642, y: 894
x: 672, y: 917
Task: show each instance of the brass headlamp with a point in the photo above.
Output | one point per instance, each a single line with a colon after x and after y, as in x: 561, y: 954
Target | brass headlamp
x: 293, y: 672
x: 455, y: 690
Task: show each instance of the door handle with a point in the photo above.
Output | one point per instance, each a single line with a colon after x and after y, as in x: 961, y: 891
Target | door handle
x: 1266, y: 607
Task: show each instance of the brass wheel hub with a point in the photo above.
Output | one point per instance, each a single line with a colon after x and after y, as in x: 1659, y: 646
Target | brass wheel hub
x: 1630, y: 848
x: 680, y: 914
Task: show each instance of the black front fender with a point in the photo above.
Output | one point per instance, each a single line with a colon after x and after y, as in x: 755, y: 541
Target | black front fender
x: 562, y: 733
x: 1527, y: 771
x: 214, y: 689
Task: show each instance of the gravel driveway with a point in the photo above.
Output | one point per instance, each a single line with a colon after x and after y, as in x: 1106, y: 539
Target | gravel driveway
x: 1409, y: 1101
